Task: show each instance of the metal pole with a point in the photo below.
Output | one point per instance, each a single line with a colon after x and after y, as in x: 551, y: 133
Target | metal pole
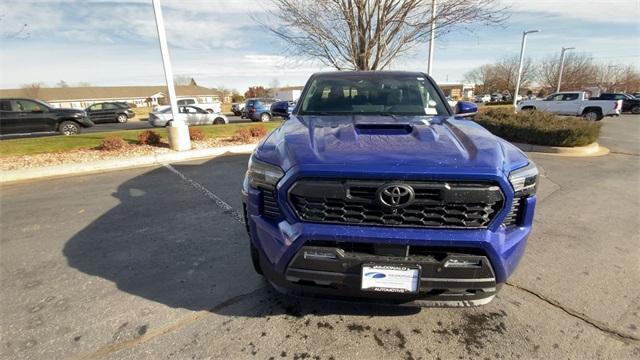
x: 432, y: 36
x: 176, y: 135
x: 561, y: 66
x: 524, y: 42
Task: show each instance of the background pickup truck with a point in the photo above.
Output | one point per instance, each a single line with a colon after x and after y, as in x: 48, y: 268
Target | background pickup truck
x: 629, y: 102
x: 208, y: 107
x: 574, y: 104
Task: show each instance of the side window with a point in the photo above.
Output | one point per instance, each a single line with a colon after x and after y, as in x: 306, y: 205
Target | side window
x: 557, y: 97
x: 570, y: 97
x: 96, y: 107
x: 5, y: 105
x: 182, y: 102
x: 26, y: 106
x: 251, y: 103
x: 110, y: 106
x: 189, y: 101
x: 620, y: 97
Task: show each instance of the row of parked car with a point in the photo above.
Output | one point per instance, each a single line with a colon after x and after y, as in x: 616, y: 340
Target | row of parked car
x: 579, y: 103
x: 21, y: 115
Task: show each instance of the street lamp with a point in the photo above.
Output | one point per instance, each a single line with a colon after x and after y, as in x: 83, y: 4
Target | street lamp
x: 562, y: 66
x: 432, y: 36
x: 178, y: 131
x: 524, y: 41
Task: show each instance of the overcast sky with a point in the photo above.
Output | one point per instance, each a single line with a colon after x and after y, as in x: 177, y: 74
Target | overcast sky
x: 115, y: 43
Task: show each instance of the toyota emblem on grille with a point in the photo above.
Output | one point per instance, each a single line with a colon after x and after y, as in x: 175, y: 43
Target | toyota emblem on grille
x: 396, y: 195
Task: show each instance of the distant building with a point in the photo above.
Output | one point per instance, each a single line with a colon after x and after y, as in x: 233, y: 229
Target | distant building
x: 457, y: 91
x: 82, y: 97
x: 289, y: 93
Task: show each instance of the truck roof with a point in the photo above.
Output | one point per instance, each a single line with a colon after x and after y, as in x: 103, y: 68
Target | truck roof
x: 374, y: 73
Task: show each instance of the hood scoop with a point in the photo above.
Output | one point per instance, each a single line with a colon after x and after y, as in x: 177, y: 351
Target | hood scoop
x: 383, y: 129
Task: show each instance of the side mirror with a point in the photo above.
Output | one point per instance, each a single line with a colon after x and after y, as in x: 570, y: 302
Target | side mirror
x: 465, y: 109
x: 281, y: 109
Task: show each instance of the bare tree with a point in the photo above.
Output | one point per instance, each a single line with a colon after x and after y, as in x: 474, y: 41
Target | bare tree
x: 183, y: 80
x: 502, y: 75
x: 578, y: 73
x: 62, y: 84
x: 274, y: 86
x: 617, y: 77
x: 31, y: 90
x: 370, y: 34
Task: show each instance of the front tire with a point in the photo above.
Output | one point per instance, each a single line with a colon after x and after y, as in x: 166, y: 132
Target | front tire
x: 122, y: 118
x: 69, y: 128
x: 265, y: 117
x: 218, y: 121
x: 635, y: 109
x: 255, y: 259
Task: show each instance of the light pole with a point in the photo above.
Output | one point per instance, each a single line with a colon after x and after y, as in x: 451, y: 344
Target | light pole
x: 432, y: 36
x: 178, y: 131
x: 524, y: 42
x: 562, y: 66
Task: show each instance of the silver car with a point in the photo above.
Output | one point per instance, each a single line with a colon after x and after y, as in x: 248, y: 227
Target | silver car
x: 191, y: 115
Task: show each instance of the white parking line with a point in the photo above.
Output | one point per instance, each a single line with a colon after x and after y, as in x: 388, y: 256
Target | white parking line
x: 213, y: 197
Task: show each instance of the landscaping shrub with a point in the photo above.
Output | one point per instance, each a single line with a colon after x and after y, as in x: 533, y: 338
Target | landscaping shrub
x: 110, y: 143
x: 148, y: 137
x: 492, y: 103
x: 538, y: 127
x: 258, y: 131
x: 196, y: 134
x: 243, y: 134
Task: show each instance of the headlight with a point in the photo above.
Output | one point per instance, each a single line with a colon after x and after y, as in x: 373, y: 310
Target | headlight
x: 525, y: 179
x: 263, y: 175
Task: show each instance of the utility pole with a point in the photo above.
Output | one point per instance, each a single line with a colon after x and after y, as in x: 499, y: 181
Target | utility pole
x: 562, y: 66
x: 432, y: 36
x: 524, y: 42
x: 178, y: 131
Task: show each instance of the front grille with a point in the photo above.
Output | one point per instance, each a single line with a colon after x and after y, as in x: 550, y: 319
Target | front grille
x: 436, y: 204
x: 270, y: 208
x: 515, y: 214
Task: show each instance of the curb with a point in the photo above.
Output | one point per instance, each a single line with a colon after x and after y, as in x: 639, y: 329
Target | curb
x: 593, y: 149
x: 119, y: 164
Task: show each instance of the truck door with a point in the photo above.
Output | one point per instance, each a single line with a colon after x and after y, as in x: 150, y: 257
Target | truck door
x: 570, y: 104
x: 9, y: 120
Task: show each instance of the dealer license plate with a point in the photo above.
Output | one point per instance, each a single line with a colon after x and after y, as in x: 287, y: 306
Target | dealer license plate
x: 390, y: 278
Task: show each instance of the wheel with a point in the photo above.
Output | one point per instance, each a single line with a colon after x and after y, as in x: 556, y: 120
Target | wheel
x: 591, y: 115
x: 255, y: 259
x: 265, y: 117
x: 69, y: 128
x: 635, y: 109
x: 209, y: 111
x: 122, y: 118
x: 218, y: 121
x: 528, y: 108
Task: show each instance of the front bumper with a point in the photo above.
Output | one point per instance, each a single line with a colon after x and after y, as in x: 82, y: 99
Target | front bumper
x: 282, y: 244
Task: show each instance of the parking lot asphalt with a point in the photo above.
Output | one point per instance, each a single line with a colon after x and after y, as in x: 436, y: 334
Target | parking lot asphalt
x: 153, y: 263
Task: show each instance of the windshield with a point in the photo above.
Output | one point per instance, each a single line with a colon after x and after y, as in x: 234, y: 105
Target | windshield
x: 392, y: 95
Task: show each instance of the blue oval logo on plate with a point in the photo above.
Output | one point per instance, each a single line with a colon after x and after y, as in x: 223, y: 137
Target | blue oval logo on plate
x: 375, y: 275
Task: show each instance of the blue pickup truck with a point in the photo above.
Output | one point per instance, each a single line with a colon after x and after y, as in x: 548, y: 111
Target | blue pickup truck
x: 375, y: 189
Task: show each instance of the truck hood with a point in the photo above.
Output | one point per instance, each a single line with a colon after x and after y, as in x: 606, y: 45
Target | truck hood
x: 370, y: 141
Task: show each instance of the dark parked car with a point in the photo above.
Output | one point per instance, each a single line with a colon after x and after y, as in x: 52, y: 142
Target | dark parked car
x: 109, y: 112
x: 629, y: 102
x: 258, y: 109
x: 23, y: 116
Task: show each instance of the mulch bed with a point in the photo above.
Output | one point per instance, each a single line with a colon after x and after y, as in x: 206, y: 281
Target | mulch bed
x: 19, y: 162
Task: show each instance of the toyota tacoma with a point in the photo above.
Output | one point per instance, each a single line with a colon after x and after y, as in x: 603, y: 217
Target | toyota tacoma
x: 375, y: 189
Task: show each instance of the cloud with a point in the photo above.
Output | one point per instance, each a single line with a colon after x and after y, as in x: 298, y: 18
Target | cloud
x: 618, y: 11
